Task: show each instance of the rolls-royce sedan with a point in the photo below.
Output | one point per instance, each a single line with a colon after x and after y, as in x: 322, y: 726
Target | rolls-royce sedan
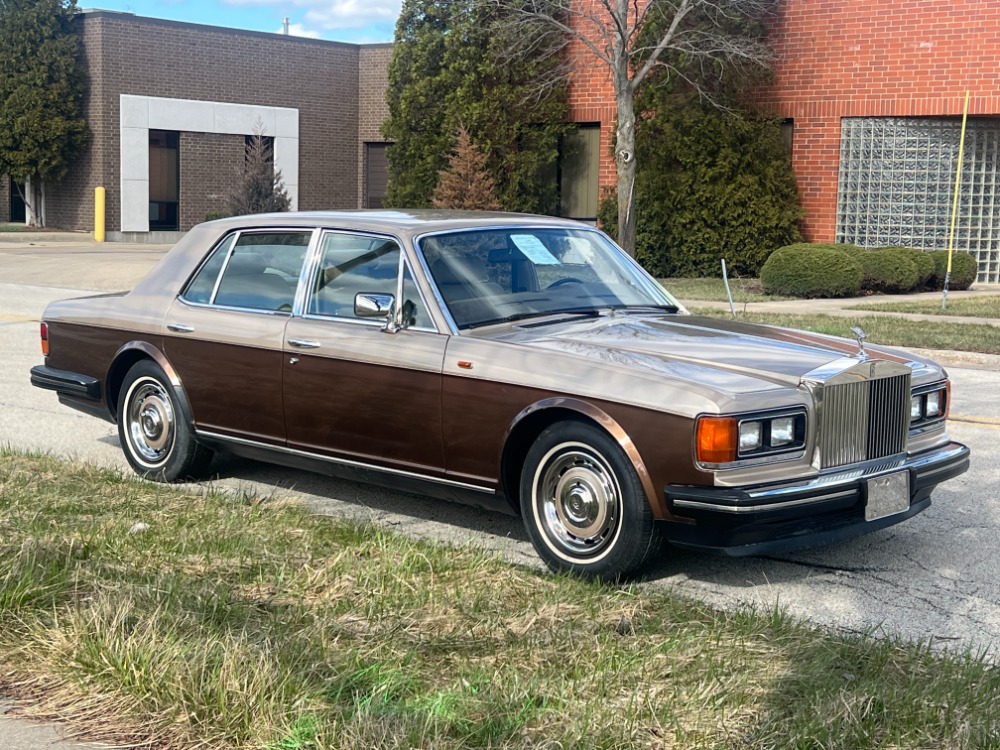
x: 516, y: 362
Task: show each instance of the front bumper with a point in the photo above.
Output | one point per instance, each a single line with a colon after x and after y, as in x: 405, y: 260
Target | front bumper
x: 781, y: 517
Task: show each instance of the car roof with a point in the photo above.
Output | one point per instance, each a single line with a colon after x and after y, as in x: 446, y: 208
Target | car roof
x: 392, y: 221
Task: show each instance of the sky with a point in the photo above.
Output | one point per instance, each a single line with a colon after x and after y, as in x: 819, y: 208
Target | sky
x: 358, y: 21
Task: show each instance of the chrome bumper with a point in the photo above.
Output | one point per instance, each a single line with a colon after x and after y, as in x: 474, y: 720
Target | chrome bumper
x: 790, y: 515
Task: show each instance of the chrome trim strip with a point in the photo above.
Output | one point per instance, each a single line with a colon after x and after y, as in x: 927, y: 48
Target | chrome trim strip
x: 306, y: 273
x: 344, y: 461
x: 233, y: 308
x: 225, y: 265
x: 702, y: 504
x: 939, y: 469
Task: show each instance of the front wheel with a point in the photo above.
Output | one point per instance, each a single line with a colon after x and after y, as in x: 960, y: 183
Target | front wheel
x: 155, y: 435
x: 584, y: 506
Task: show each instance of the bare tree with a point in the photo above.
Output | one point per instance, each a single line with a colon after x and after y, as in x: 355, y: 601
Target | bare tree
x: 258, y: 187
x: 634, y: 37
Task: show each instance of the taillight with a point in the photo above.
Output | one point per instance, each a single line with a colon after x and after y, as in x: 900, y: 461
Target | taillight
x: 44, y: 330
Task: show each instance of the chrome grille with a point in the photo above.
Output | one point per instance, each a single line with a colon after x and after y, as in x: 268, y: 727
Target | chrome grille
x: 864, y: 420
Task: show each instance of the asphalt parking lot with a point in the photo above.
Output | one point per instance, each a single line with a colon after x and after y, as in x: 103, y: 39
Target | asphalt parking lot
x: 936, y: 576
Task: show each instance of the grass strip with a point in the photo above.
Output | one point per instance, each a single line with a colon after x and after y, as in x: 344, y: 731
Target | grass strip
x: 970, y: 307
x: 232, y: 621
x: 714, y: 290
x: 890, y: 331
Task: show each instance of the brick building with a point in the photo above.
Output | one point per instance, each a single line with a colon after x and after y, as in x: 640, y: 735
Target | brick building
x: 170, y: 107
x: 872, y: 94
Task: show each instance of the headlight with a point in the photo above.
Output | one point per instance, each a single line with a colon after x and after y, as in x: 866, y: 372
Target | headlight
x: 723, y: 440
x: 782, y: 431
x: 750, y: 436
x: 929, y: 405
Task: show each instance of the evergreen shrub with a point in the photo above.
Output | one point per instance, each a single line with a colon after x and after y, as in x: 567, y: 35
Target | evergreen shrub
x: 886, y: 271
x: 921, y: 259
x: 964, y: 269
x: 709, y: 185
x: 806, y: 270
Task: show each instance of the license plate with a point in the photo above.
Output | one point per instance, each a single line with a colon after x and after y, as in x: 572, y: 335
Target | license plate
x: 888, y: 495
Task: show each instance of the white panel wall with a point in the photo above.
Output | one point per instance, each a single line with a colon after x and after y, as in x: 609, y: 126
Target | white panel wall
x: 140, y: 114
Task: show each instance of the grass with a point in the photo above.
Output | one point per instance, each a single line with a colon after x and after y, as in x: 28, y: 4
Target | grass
x: 971, y: 307
x: 232, y: 621
x: 890, y: 331
x: 714, y: 290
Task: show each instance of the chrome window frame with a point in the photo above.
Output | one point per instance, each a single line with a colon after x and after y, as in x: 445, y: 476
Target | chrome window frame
x: 306, y: 283
x: 237, y: 235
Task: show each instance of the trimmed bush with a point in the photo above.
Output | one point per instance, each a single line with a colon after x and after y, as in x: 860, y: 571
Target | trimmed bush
x: 964, y: 269
x: 921, y: 259
x: 804, y: 270
x: 887, y: 271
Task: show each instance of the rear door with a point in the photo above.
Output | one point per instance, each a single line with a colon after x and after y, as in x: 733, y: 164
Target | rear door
x: 224, y: 335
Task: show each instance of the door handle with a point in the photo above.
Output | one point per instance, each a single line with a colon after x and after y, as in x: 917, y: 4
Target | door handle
x: 303, y: 343
x: 179, y: 327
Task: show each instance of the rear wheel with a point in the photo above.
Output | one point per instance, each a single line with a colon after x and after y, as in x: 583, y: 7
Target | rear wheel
x: 584, y: 506
x: 155, y: 434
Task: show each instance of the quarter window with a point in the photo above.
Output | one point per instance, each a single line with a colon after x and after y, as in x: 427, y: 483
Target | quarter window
x: 259, y: 272
x: 353, y: 264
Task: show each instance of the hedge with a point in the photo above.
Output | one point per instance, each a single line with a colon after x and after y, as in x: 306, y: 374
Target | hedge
x: 964, y: 269
x: 888, y: 270
x: 805, y: 270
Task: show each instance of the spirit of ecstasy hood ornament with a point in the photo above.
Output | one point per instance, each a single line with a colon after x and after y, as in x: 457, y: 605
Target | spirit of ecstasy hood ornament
x: 860, y: 335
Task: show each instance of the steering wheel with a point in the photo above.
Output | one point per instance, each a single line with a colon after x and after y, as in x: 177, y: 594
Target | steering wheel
x: 567, y: 280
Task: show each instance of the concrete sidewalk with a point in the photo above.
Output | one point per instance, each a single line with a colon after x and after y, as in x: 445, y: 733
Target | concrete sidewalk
x: 844, y: 307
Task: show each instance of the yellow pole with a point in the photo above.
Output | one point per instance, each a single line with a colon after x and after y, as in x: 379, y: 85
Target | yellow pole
x: 954, y: 204
x: 99, y: 214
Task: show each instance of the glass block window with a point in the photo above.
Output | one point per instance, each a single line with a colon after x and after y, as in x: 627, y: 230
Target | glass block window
x: 897, y: 182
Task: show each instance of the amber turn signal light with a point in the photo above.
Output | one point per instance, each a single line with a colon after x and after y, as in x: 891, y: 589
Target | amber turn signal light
x: 716, y: 440
x: 44, y: 331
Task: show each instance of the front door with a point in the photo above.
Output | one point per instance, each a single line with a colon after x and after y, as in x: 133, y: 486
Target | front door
x: 352, y: 390
x: 224, y: 334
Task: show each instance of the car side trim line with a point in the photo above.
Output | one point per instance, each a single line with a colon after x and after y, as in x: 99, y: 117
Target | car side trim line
x: 219, y: 437
x: 698, y: 504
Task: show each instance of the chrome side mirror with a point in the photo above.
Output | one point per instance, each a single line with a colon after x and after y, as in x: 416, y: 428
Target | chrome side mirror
x: 373, y: 305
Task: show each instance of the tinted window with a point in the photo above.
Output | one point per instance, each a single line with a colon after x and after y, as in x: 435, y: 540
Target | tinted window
x: 203, y: 284
x: 352, y: 264
x: 261, y: 272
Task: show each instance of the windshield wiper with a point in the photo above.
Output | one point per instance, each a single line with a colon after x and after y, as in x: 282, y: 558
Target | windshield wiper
x: 646, y: 308
x: 584, y: 312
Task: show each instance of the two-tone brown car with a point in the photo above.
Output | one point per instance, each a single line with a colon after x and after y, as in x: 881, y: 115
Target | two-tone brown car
x: 515, y: 362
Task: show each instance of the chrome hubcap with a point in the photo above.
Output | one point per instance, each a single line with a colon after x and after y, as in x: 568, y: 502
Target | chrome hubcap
x: 578, y: 499
x: 150, y: 421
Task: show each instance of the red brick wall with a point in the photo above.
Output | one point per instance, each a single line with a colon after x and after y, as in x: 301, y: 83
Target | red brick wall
x: 373, y: 81
x: 888, y: 58
x: 845, y: 59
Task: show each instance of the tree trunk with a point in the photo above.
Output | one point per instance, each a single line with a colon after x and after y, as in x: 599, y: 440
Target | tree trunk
x: 625, y: 163
x: 32, y: 197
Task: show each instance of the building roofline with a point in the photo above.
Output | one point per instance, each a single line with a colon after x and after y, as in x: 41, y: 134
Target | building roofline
x: 149, y: 20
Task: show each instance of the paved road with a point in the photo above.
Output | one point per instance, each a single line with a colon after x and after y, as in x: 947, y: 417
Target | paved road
x: 935, y: 576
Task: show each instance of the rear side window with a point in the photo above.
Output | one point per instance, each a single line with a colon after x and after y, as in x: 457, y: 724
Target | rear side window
x: 259, y: 271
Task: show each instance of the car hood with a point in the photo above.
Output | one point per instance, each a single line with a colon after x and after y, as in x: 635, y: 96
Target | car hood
x: 717, y: 352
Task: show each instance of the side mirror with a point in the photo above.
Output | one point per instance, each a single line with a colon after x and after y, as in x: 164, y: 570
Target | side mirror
x: 373, y: 305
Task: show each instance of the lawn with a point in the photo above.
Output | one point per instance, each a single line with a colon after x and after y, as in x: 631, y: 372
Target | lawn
x: 714, y: 290
x: 971, y: 307
x: 883, y: 329
x: 144, y: 613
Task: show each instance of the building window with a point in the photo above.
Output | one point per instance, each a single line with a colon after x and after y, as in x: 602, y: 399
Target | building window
x: 579, y: 164
x: 376, y: 174
x: 788, y: 133
x: 897, y: 182
x: 164, y: 180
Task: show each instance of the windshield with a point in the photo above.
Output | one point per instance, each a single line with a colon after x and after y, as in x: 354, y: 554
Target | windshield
x: 514, y: 273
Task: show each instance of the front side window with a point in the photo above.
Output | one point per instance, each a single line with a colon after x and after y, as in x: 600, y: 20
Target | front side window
x: 352, y: 264
x: 259, y: 271
x: 499, y: 275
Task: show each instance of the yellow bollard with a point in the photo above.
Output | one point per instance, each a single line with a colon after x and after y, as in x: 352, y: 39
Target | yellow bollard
x: 99, y: 214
